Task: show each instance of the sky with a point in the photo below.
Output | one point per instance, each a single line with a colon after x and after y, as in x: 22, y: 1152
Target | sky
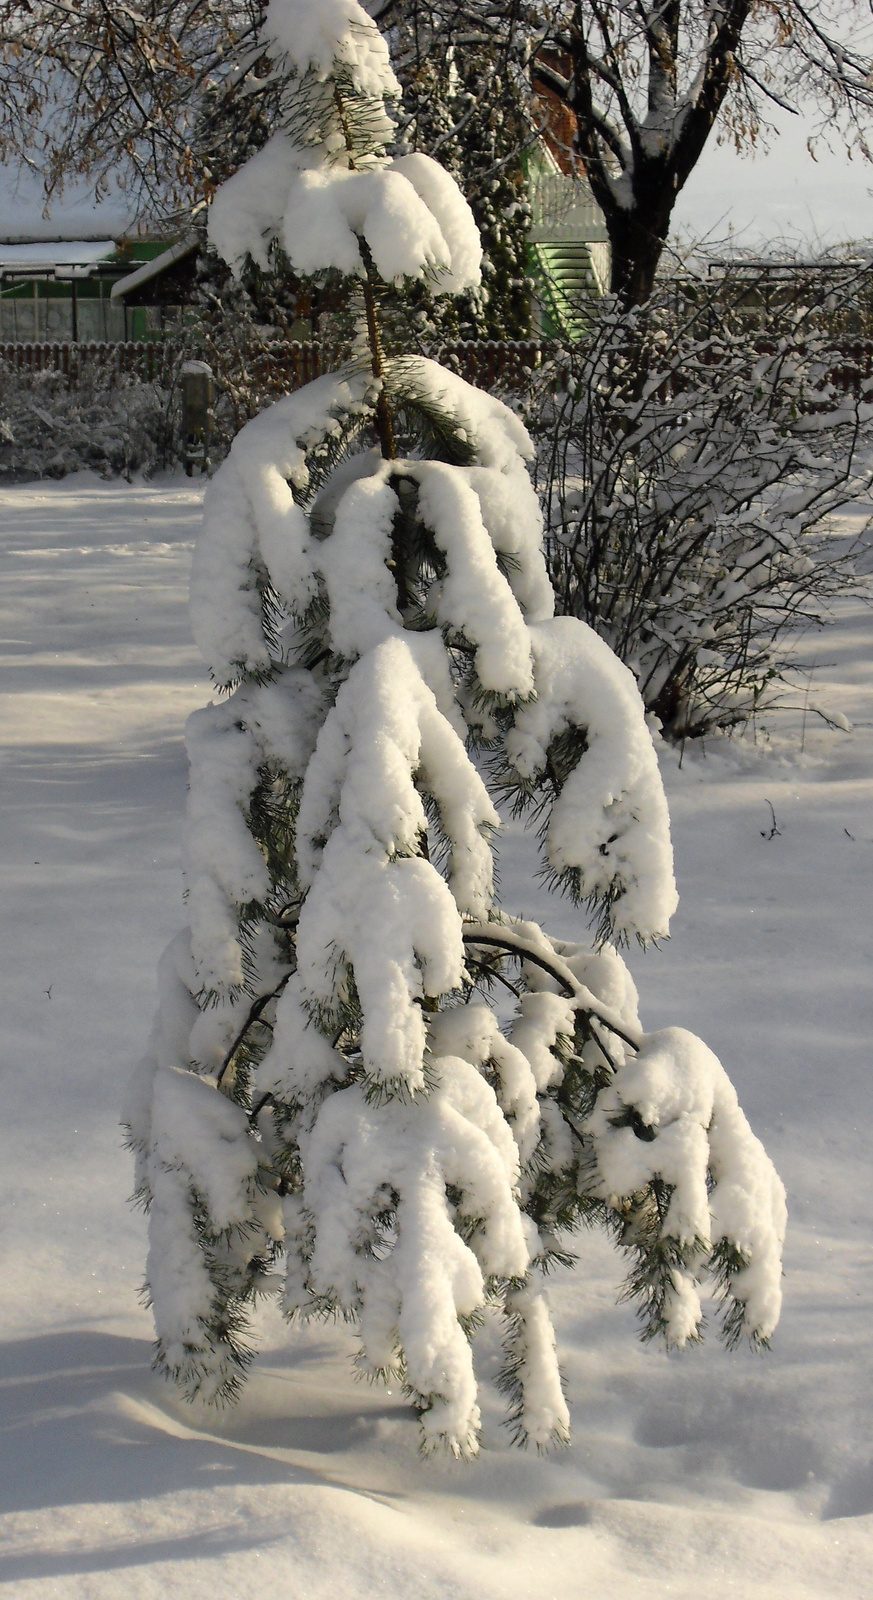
x: 778, y: 194
x: 781, y: 193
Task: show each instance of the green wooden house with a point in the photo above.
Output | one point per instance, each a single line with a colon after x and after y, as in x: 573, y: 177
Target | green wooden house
x: 60, y: 290
x: 568, y: 245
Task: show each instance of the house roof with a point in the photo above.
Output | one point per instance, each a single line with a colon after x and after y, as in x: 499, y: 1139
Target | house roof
x: 50, y: 256
x: 154, y: 269
x: 26, y: 216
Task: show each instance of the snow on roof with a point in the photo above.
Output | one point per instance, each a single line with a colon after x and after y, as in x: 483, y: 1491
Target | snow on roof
x: 57, y: 253
x: 153, y: 269
x: 75, y: 215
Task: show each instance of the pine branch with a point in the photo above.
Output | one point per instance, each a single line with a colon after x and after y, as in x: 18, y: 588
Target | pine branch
x: 254, y: 1015
x: 584, y: 1001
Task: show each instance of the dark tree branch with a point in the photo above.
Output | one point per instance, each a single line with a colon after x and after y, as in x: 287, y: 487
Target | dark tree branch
x: 254, y: 1015
x: 513, y: 945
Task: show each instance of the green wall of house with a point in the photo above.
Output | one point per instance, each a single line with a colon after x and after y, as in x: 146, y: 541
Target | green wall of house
x: 38, y: 307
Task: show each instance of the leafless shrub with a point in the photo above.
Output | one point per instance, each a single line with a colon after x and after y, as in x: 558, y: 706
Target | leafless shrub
x: 113, y: 424
x: 692, y: 462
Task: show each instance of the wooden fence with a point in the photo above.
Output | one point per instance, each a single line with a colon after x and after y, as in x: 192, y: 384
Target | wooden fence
x: 856, y: 365
x: 144, y: 361
x: 488, y: 363
x: 501, y: 365
x: 492, y: 363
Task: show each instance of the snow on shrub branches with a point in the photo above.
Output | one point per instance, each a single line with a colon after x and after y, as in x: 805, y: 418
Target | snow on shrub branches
x: 691, y: 461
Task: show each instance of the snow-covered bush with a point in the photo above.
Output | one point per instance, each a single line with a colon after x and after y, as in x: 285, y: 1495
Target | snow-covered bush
x: 112, y: 423
x: 691, y: 459
x: 369, y: 1089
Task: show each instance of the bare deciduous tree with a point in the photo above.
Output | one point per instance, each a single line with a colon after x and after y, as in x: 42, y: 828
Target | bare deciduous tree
x: 114, y: 91
x: 647, y: 80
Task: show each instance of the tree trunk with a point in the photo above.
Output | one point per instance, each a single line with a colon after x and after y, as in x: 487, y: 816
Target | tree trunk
x: 635, y: 253
x: 638, y: 232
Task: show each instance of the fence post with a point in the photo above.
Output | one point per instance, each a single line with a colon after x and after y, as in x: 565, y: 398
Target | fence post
x: 198, y: 394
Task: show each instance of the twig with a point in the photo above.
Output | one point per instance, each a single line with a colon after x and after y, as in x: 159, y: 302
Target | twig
x: 805, y: 710
x: 265, y: 1100
x: 775, y: 833
x: 492, y: 972
x: 255, y: 1014
x: 598, y: 1040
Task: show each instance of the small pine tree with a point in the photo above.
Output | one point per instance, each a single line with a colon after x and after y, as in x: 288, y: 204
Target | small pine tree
x: 333, y: 1105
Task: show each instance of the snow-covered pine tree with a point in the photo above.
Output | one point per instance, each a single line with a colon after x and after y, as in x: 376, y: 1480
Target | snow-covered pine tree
x: 330, y: 1086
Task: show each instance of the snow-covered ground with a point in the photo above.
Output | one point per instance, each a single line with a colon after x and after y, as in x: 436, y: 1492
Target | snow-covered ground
x: 693, y: 1476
